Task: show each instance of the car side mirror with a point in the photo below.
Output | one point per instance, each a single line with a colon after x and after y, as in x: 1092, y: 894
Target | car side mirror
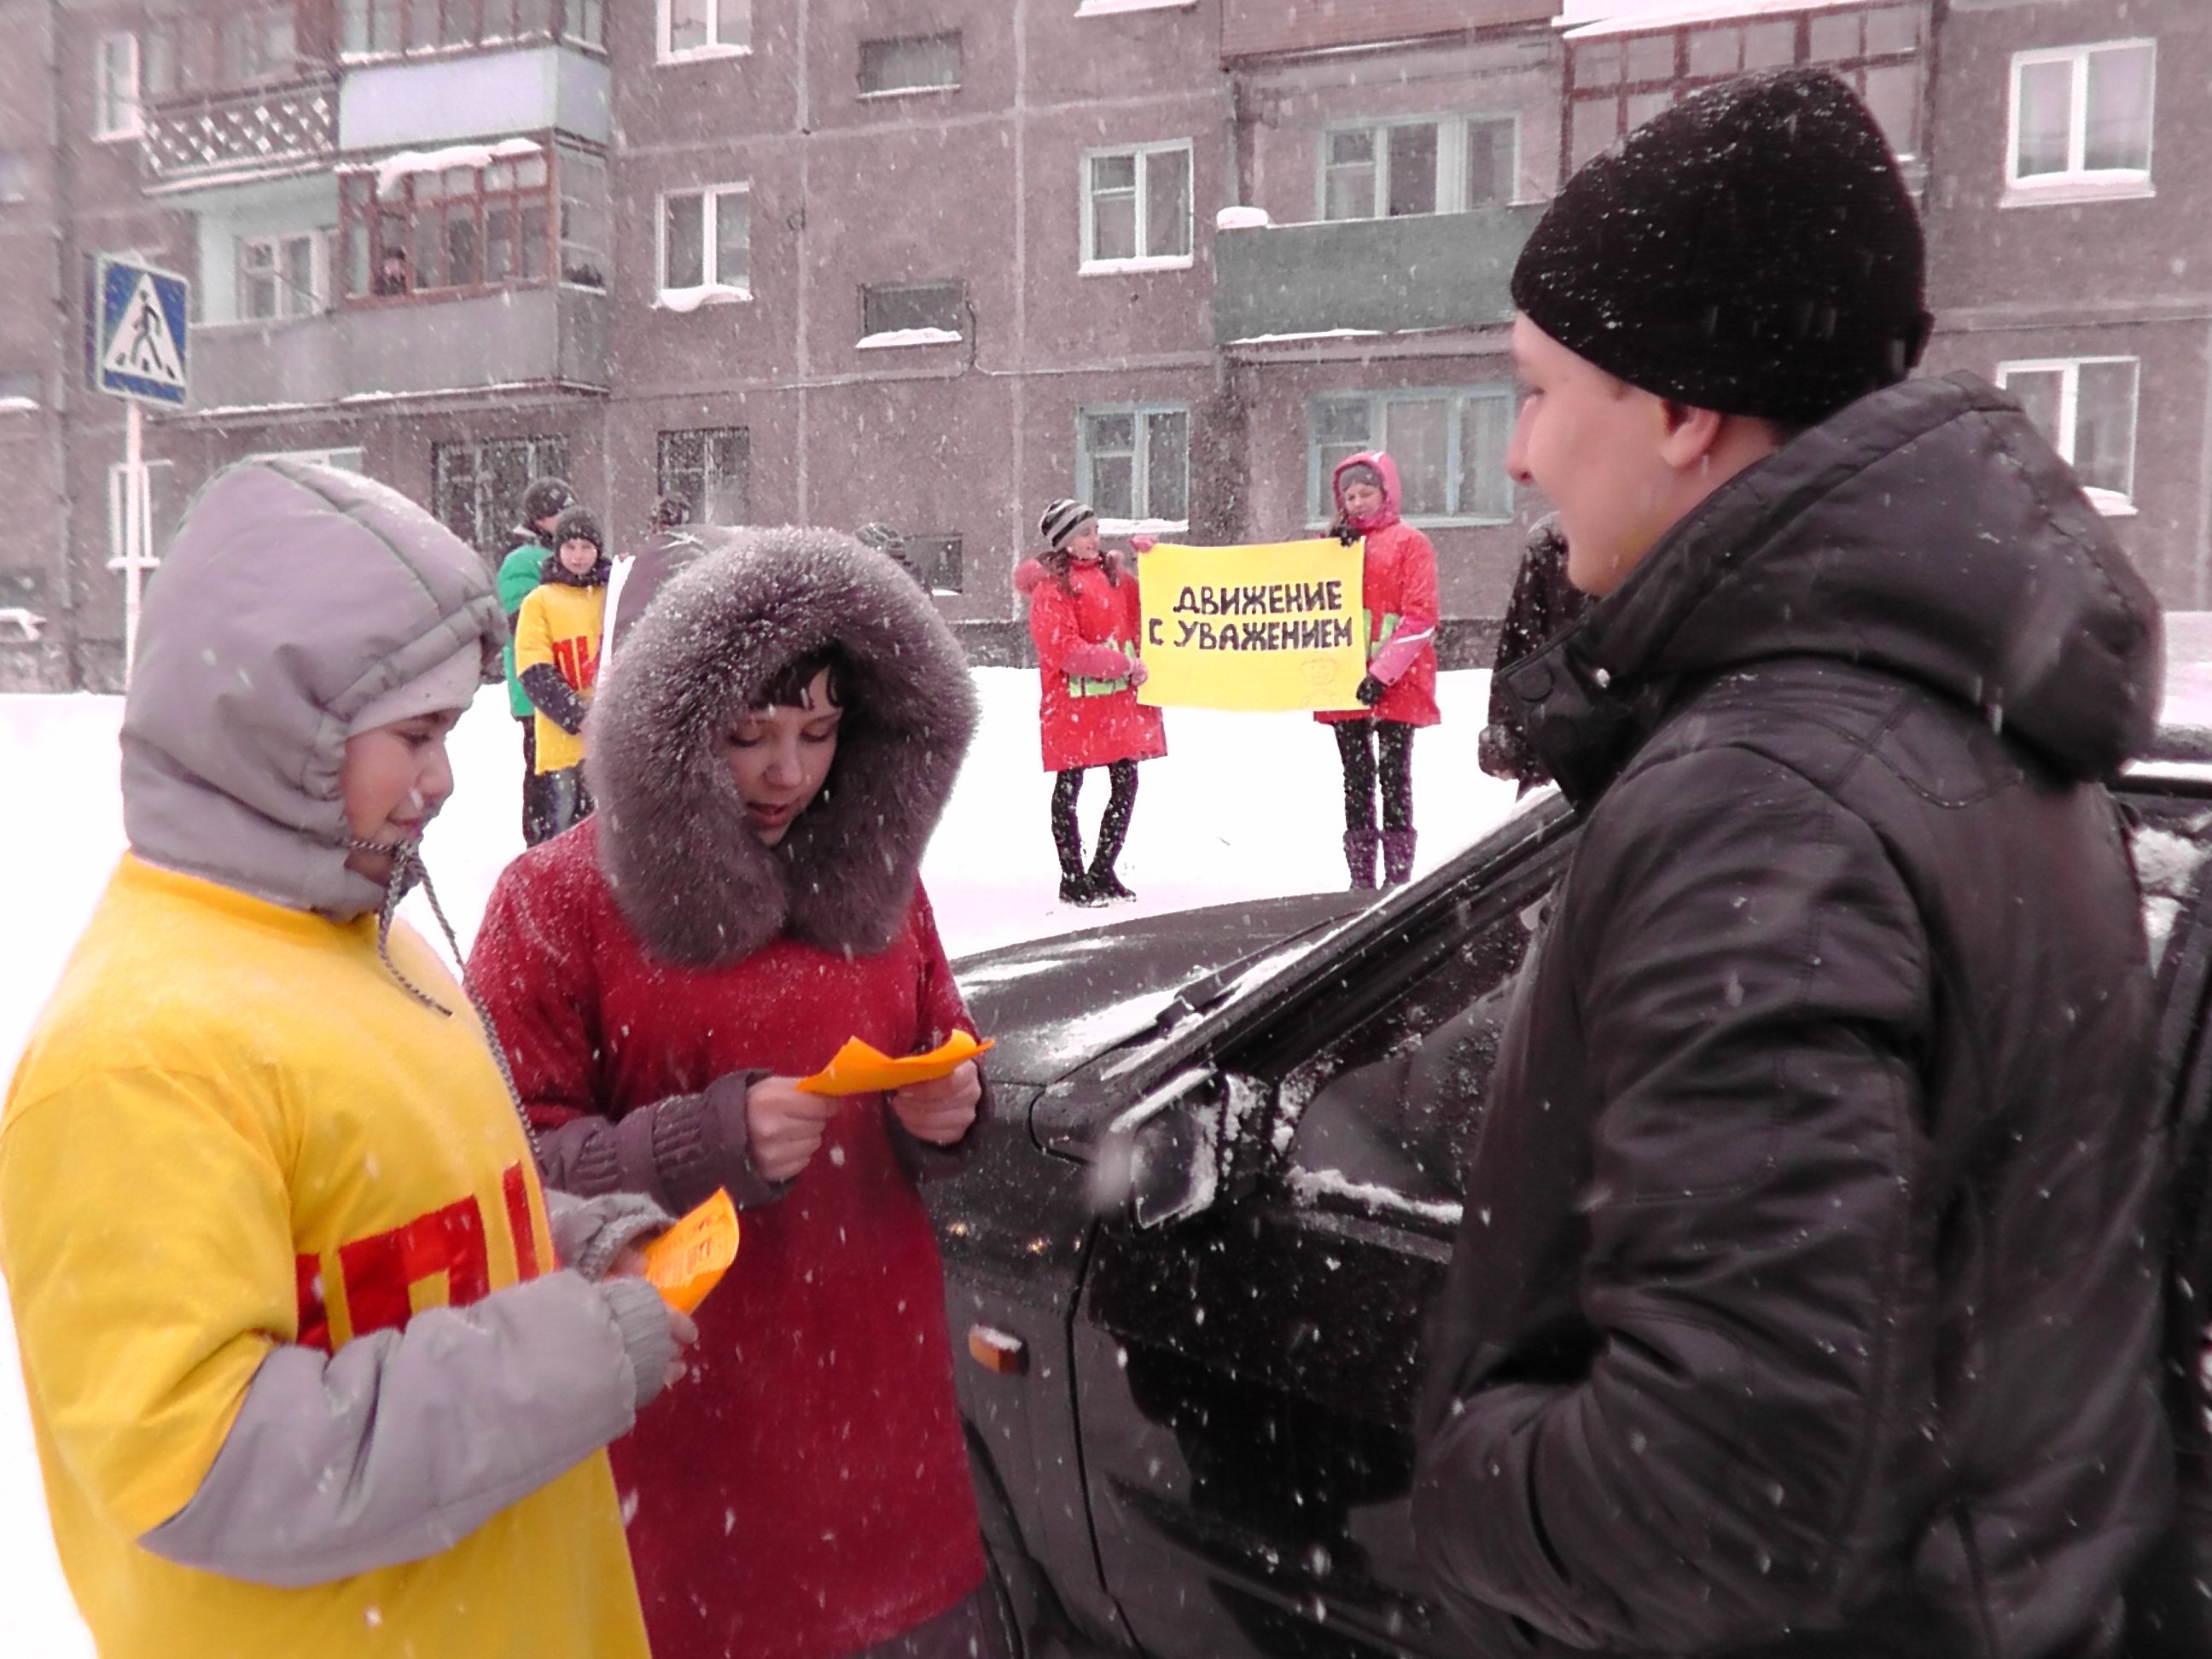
x: 1160, y: 1160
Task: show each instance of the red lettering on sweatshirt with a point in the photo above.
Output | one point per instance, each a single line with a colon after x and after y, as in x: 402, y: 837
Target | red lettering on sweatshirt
x: 379, y: 1272
x: 578, y: 661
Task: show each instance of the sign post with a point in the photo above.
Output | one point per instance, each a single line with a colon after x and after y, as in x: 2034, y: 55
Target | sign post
x: 139, y: 337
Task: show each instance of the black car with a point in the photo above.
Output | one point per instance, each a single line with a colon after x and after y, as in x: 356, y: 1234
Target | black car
x: 1187, y: 1270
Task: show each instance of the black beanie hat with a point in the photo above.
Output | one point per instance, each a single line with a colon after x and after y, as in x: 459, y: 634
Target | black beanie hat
x: 578, y: 525
x: 546, y: 498
x: 1753, y: 250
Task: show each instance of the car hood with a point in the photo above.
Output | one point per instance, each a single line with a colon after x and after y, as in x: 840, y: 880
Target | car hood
x: 1051, y: 1004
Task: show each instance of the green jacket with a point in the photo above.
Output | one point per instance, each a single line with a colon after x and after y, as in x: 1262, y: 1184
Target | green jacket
x: 518, y: 575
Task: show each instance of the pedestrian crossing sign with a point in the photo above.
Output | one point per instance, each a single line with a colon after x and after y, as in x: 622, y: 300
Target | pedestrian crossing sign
x: 139, y: 334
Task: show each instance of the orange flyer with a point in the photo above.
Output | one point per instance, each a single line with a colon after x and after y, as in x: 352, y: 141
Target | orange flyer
x: 857, y: 1069
x: 688, y: 1260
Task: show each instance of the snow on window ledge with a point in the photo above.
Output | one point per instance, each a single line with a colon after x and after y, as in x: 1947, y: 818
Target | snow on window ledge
x: 685, y: 301
x: 19, y: 406
x: 1144, y: 527
x: 2110, y: 503
x: 2064, y: 189
x: 907, y: 337
x: 702, y: 54
x: 1116, y: 8
x: 1120, y: 267
x: 1243, y: 218
x: 402, y: 164
x: 882, y: 93
x: 19, y: 626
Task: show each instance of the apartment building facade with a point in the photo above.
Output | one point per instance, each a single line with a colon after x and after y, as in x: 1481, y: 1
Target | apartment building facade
x: 936, y: 262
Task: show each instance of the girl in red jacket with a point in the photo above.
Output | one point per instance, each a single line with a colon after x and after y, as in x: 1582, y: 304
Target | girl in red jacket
x: 1085, y: 623
x: 772, y: 747
x: 1398, y: 576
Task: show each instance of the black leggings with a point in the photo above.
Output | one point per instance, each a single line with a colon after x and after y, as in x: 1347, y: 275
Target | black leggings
x: 1357, y: 744
x: 1113, y: 829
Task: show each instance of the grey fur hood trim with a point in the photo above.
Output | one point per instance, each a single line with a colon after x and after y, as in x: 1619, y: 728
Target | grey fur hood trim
x: 686, y: 870
x: 293, y: 598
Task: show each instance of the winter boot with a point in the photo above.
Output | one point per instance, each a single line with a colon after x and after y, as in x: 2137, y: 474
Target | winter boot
x: 1397, y: 857
x: 1075, y: 887
x: 1114, y: 832
x: 1078, y: 889
x: 1360, y: 858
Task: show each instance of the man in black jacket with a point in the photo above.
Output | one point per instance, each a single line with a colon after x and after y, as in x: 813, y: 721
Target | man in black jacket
x: 1805, y: 1302
x: 1544, y: 602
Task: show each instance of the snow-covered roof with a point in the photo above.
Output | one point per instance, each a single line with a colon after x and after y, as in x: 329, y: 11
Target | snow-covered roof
x: 1586, y: 20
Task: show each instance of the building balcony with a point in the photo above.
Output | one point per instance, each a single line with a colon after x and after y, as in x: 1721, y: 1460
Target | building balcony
x: 420, y: 103
x: 1367, y: 276
x: 202, y: 139
x: 545, y: 338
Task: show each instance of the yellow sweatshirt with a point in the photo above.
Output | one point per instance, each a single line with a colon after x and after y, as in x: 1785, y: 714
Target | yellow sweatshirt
x: 232, y: 1130
x: 560, y: 624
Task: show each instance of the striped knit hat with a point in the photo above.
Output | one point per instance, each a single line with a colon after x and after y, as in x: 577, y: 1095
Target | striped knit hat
x: 1062, y: 521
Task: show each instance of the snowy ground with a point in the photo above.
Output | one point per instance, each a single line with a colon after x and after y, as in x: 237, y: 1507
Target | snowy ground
x: 1244, y: 806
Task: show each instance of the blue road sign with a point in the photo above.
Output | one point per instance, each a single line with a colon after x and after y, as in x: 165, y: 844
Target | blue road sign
x: 139, y: 333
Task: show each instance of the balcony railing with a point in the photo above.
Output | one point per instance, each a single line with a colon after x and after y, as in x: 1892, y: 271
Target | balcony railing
x: 255, y: 133
x: 1367, y: 276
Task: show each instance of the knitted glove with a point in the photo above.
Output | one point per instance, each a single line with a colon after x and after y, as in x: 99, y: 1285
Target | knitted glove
x: 1370, y: 691
x: 1096, y: 662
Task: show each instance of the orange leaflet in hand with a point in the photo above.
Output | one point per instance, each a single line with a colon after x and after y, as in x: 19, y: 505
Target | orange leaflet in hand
x: 857, y: 1069
x: 688, y: 1260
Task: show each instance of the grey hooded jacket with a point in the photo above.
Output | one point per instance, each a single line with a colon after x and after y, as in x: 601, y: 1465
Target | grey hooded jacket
x: 294, y: 596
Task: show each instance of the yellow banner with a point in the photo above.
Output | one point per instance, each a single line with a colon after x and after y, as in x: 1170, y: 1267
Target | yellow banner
x: 1252, y: 628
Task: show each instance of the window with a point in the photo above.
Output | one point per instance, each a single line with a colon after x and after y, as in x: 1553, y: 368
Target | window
x: 258, y: 47
x: 936, y: 559
x: 476, y: 489
x: 14, y: 176
x: 2087, y: 407
x: 706, y: 245
x: 1621, y: 82
x: 922, y: 63
x: 711, y: 469
x: 345, y: 460
x: 1449, y: 444
x: 1132, y: 463
x: 280, y: 276
x: 912, y: 313
x: 1136, y: 208
x: 2082, y: 120
x: 377, y: 28
x: 705, y: 28
x: 19, y: 389
x: 583, y: 179
x: 474, y: 228
x: 1436, y: 166
x: 115, y: 87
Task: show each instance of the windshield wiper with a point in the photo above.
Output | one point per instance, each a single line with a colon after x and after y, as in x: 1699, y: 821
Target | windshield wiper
x: 1213, y: 986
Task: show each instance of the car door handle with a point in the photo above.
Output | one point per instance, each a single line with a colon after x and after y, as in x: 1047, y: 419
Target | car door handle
x: 997, y: 1351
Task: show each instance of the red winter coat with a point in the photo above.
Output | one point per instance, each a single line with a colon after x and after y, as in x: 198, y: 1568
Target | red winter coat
x: 1398, y: 581
x: 1088, y: 713
x: 804, y: 1492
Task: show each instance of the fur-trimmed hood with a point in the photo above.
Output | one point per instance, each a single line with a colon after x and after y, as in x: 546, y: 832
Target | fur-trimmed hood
x: 686, y: 870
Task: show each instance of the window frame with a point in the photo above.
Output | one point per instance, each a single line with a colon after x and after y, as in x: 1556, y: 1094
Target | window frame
x: 1451, y: 163
x: 872, y: 293
x: 1088, y: 262
x: 319, y: 259
x: 1321, y: 507
x: 2109, y: 502
x: 1141, y: 488
x: 712, y: 290
x: 117, y: 116
x: 2076, y: 183
x: 369, y: 219
x: 664, y: 25
x: 551, y: 23
x: 916, y: 89
x: 700, y: 500
x: 546, y: 454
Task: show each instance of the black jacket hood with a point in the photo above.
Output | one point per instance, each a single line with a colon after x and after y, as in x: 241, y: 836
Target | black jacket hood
x: 1927, y: 530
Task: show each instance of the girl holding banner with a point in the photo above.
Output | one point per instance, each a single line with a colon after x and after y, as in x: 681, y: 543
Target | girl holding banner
x: 1085, y: 621
x: 1398, y: 694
